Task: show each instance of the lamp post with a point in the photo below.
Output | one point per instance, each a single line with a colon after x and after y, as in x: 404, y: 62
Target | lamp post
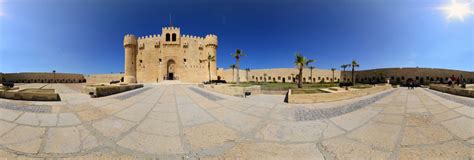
x: 333, y: 69
x: 54, y: 76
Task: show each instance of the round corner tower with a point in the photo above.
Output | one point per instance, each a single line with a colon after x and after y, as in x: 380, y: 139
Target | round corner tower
x: 211, y: 46
x: 130, y: 45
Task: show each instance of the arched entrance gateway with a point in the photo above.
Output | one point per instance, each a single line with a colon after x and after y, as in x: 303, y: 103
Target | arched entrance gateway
x: 170, y: 70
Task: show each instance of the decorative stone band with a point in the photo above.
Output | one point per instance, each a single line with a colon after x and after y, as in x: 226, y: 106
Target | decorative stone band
x: 209, y: 96
x: 132, y: 93
x: 25, y: 108
x: 304, y: 114
x: 461, y: 100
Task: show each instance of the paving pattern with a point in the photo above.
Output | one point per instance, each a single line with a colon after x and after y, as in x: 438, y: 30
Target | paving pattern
x: 26, y: 108
x: 187, y: 122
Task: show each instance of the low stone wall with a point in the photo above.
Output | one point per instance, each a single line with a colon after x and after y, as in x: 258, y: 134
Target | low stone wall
x: 30, y: 94
x: 451, y: 90
x: 103, y: 78
x: 232, y: 90
x: 105, y: 90
x: 329, y: 97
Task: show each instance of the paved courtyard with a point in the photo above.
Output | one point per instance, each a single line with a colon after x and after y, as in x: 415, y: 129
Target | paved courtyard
x: 187, y: 122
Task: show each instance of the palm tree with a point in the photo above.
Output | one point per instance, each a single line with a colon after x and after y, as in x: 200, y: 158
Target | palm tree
x: 344, y: 66
x: 265, y: 77
x: 237, y: 55
x: 333, y: 69
x: 311, y: 68
x: 354, y: 64
x: 301, y: 62
x: 209, y: 60
x: 233, y: 73
x: 247, y: 70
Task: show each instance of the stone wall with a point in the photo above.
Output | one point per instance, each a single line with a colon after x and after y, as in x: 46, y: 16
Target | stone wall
x: 105, y: 90
x: 395, y: 75
x: 103, y: 78
x: 456, y: 90
x: 280, y: 75
x: 30, y: 94
x: 403, y: 75
x: 38, y: 77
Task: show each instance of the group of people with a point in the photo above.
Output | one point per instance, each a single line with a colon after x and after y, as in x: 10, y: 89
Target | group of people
x: 452, y: 81
x: 411, y: 85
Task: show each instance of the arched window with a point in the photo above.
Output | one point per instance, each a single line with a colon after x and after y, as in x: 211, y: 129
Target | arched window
x: 167, y: 37
x: 173, y: 37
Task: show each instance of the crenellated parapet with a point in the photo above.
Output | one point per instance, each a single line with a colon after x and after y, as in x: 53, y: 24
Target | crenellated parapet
x: 172, y: 29
x: 149, y: 37
x: 129, y: 40
x: 211, y: 40
x: 192, y: 37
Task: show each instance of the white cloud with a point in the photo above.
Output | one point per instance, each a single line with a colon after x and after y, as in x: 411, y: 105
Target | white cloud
x: 2, y: 13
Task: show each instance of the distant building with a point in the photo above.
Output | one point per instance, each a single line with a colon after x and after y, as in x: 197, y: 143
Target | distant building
x: 42, y: 77
x: 393, y: 75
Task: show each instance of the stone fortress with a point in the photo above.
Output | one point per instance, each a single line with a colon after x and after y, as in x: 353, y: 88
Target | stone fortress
x: 169, y: 56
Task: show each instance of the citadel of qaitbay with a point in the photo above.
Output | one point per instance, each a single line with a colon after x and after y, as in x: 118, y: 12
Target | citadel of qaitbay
x: 174, y: 101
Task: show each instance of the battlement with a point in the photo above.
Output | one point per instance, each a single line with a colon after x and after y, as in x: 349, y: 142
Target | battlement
x: 129, y: 39
x: 170, y: 28
x: 149, y: 36
x: 192, y: 37
x: 166, y: 30
x: 211, y: 39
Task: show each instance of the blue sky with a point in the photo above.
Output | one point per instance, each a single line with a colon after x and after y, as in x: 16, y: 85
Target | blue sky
x: 85, y: 36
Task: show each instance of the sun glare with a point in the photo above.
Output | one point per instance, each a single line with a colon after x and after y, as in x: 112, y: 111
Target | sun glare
x: 457, y: 10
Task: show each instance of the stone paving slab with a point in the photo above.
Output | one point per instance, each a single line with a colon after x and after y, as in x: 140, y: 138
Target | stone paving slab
x: 274, y: 151
x: 66, y: 119
x: 179, y: 122
x: 63, y: 140
x: 343, y: 148
x: 136, y: 112
x: 192, y: 114
x: 152, y: 144
x: 210, y: 135
x: 304, y: 131
x: 9, y: 115
x: 112, y: 127
x: 462, y: 127
x: 239, y: 121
